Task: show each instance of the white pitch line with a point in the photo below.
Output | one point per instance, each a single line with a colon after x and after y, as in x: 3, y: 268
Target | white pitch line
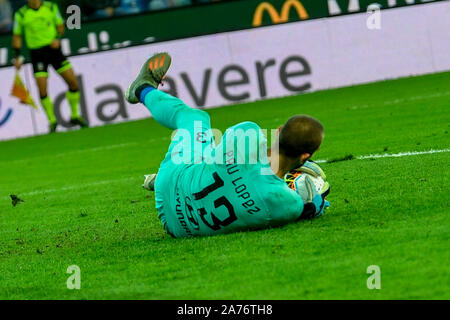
x: 99, y: 183
x: 62, y: 154
x: 88, y: 150
x: 75, y: 186
x: 393, y: 155
x: 397, y: 101
x: 401, y: 154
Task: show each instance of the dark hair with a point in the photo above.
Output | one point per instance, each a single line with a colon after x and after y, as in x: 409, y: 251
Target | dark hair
x: 300, y: 134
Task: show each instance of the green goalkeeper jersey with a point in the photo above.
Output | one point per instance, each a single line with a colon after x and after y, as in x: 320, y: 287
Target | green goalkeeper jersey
x: 232, y: 189
x: 38, y: 26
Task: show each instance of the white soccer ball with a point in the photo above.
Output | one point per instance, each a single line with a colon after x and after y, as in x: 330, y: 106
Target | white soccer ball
x: 299, y: 185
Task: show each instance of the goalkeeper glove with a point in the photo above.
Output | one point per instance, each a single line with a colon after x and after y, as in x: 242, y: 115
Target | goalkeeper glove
x: 316, y: 204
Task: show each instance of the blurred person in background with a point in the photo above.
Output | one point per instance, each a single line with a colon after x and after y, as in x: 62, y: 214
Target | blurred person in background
x: 131, y: 7
x: 41, y: 24
x: 164, y: 4
x: 99, y: 8
x: 5, y: 16
x: 204, y: 1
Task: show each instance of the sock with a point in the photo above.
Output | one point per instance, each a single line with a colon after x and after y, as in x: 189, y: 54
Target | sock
x: 47, y: 104
x: 142, y: 91
x: 74, y: 101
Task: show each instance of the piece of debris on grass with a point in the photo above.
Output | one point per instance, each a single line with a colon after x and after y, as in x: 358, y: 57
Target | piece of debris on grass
x: 344, y: 158
x: 116, y: 221
x: 15, y: 200
x: 385, y: 149
x: 346, y: 201
x: 83, y: 214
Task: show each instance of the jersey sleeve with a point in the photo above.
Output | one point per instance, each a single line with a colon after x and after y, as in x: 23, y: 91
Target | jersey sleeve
x: 57, y: 18
x: 18, y: 28
x: 284, y: 204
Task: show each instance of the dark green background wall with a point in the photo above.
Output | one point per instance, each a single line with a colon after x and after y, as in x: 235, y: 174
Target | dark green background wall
x: 193, y: 21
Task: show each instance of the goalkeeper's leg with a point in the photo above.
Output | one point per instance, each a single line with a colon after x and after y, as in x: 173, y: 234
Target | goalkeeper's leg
x: 172, y: 113
x: 193, y: 126
x: 169, y: 111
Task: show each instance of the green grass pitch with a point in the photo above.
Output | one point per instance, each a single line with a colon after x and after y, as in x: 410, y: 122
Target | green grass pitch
x: 84, y: 206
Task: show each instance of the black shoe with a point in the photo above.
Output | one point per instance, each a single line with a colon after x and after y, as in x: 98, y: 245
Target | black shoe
x: 79, y: 122
x: 53, y: 127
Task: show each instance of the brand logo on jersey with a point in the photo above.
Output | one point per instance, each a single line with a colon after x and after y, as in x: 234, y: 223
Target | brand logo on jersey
x: 180, y: 216
x: 190, y: 214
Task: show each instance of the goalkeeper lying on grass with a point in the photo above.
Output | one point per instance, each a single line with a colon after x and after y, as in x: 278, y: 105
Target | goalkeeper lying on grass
x: 204, y: 189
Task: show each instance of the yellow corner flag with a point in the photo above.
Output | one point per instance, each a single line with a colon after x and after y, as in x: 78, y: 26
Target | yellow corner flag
x: 20, y: 91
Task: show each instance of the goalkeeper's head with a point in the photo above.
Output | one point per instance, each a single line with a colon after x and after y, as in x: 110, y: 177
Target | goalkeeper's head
x: 299, y: 138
